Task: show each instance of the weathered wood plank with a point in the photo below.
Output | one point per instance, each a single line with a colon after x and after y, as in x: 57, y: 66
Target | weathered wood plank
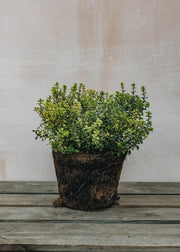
x: 149, y: 201
x: 84, y: 234
x: 87, y: 248
x: 33, y: 200
x: 149, y: 188
x: 36, y: 200
x: 124, y: 188
x: 114, y: 214
x: 141, y: 222
x: 28, y: 187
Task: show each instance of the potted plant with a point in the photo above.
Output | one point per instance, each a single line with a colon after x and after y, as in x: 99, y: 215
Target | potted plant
x: 90, y: 134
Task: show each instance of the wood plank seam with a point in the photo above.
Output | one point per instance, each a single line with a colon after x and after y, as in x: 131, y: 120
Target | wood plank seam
x: 146, y: 220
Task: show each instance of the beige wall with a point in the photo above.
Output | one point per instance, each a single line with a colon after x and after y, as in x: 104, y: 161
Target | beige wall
x: 99, y: 43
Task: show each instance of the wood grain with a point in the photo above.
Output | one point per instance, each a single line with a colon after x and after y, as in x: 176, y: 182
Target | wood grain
x: 86, y: 248
x: 36, y: 200
x: 109, y: 215
x: 83, y: 234
x: 147, y: 218
x: 42, y: 187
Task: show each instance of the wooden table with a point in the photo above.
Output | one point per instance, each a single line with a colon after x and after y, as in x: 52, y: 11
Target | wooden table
x: 146, y: 219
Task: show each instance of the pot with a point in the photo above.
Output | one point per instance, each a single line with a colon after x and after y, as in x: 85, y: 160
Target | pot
x: 87, y: 181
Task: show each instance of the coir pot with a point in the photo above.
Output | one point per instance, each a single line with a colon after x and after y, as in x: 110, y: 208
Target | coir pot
x: 87, y: 181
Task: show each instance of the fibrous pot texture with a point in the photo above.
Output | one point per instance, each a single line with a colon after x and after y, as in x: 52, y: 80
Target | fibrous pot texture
x: 87, y: 181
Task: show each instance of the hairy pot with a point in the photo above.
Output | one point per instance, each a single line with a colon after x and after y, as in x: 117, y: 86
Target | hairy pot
x: 87, y: 181
x: 91, y: 133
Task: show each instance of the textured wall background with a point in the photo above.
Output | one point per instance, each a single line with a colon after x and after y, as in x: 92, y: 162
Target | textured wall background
x: 99, y: 43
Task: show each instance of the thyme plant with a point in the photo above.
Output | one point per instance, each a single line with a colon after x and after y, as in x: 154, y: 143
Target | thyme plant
x: 88, y: 121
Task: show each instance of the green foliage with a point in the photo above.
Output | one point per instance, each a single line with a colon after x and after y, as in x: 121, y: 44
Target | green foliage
x: 85, y: 120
